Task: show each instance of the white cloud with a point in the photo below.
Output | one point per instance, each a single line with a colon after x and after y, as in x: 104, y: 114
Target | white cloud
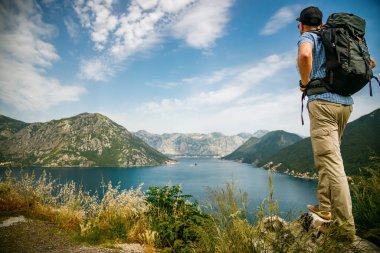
x: 24, y: 87
x: 364, y: 103
x: 203, y: 23
x: 95, y: 69
x: 147, y: 4
x: 145, y: 23
x: 97, y: 16
x: 175, y: 6
x: 24, y: 56
x: 280, y: 19
x: 137, y: 32
x: 215, y: 77
x: 248, y: 114
x: 236, y: 104
x: 72, y: 28
x: 232, y: 89
x: 243, y: 74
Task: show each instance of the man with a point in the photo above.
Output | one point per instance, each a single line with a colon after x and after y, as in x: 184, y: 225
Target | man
x: 329, y: 113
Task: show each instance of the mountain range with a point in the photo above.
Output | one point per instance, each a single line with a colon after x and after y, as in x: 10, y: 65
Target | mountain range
x: 83, y: 140
x: 361, y: 142
x: 95, y: 140
x: 196, y: 144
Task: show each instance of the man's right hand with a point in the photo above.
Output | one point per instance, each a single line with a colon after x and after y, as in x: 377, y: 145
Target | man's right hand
x: 372, y: 63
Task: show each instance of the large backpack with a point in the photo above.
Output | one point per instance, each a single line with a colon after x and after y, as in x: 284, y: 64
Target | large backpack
x: 347, y: 56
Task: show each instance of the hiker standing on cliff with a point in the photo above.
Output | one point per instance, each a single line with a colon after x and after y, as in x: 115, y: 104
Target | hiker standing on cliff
x: 329, y: 113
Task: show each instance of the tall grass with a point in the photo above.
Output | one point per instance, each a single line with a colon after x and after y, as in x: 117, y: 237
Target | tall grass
x: 232, y: 232
x: 366, y: 202
x: 118, y: 216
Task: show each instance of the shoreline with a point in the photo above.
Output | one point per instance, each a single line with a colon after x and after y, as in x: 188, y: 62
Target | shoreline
x: 292, y: 173
x: 16, y: 165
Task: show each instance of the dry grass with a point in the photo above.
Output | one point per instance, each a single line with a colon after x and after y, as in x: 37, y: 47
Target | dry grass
x: 119, y: 216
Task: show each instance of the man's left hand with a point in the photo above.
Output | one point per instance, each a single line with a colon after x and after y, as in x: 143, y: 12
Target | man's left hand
x: 302, y: 86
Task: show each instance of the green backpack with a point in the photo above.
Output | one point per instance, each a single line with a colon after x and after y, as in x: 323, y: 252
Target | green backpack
x: 347, y: 56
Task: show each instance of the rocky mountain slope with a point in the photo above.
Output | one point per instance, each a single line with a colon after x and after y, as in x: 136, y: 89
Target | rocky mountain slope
x: 177, y: 144
x: 255, y: 150
x: 82, y: 140
x: 9, y: 126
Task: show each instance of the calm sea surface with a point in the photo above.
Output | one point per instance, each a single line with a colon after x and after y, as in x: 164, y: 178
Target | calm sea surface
x: 195, y: 175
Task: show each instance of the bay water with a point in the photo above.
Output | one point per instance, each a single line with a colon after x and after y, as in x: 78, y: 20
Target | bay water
x: 195, y: 175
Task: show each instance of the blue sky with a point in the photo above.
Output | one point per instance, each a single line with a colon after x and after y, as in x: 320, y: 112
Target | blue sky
x: 164, y: 65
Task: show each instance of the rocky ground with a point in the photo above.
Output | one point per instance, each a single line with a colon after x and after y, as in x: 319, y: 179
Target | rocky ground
x: 18, y: 234
x: 313, y: 222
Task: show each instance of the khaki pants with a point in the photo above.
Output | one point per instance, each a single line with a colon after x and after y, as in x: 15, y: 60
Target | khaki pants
x: 327, y: 122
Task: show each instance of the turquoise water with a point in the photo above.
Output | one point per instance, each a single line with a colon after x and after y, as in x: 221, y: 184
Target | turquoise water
x: 195, y: 175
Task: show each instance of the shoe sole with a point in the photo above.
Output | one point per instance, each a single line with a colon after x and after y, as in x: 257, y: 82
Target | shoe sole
x: 319, y: 215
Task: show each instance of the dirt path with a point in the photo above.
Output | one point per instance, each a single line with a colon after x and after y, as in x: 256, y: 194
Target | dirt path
x: 18, y: 234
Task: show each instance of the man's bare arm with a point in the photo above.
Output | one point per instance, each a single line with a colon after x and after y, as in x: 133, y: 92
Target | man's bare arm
x: 305, y: 61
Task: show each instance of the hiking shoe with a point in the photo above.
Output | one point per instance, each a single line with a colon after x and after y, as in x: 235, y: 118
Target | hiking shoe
x: 323, y: 214
x: 349, y: 238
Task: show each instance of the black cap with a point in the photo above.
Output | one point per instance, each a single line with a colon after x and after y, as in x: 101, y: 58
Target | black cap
x: 311, y: 16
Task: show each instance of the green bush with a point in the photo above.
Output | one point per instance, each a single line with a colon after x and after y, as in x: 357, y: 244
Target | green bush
x: 179, y: 223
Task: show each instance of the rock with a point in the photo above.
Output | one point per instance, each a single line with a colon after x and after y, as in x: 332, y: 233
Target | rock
x: 12, y: 220
x: 362, y: 245
x: 274, y: 234
x: 319, y: 227
x: 274, y: 223
x: 311, y: 221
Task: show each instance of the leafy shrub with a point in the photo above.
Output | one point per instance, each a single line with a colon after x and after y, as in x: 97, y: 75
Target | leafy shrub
x: 176, y: 220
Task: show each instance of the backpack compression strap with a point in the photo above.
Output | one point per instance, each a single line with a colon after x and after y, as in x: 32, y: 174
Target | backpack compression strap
x: 302, y: 99
x: 370, y: 84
